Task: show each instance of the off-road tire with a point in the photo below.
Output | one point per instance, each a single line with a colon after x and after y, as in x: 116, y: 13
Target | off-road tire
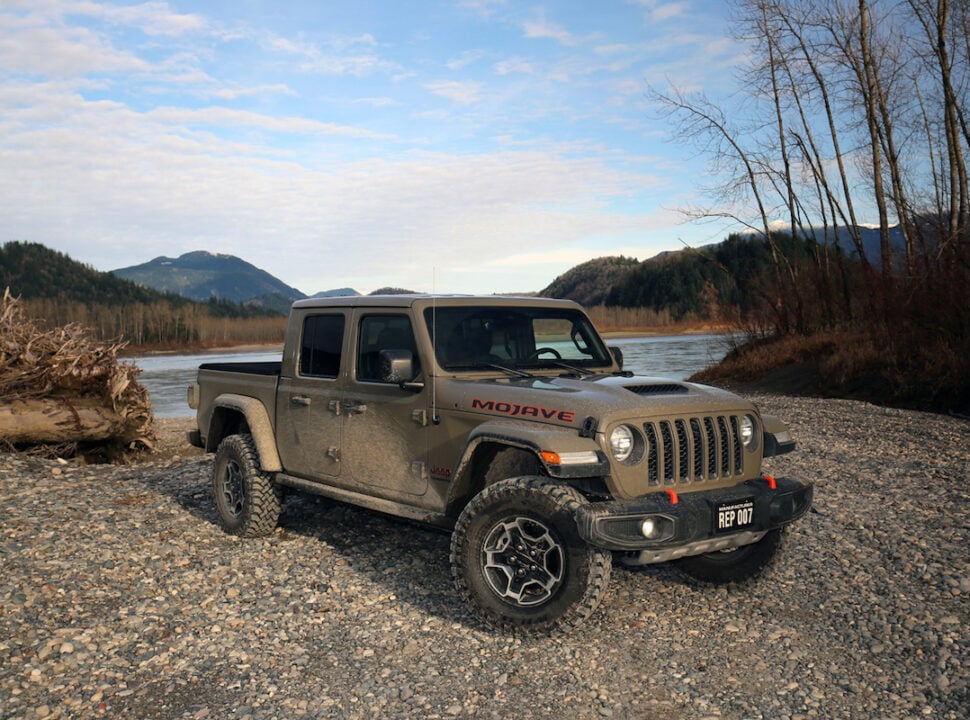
x: 738, y: 565
x: 527, y: 525
x: 246, y: 498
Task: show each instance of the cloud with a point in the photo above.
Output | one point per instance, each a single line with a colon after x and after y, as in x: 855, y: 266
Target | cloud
x: 220, y: 117
x: 354, y: 56
x: 29, y: 47
x: 129, y: 131
x: 543, y: 29
x: 113, y: 187
x: 514, y: 65
x: 468, y: 57
x: 483, y: 8
x: 463, y: 93
x: 152, y: 18
x: 659, y: 11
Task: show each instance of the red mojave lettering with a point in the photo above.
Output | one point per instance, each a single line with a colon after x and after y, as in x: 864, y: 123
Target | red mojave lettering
x: 515, y: 410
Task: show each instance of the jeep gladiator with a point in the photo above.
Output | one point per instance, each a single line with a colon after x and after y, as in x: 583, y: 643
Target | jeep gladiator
x: 509, y: 422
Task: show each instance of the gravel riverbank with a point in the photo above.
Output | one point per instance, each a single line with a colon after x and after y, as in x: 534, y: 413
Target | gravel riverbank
x: 120, y: 597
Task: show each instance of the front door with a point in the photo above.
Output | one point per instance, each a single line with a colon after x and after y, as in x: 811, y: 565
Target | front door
x: 385, y: 433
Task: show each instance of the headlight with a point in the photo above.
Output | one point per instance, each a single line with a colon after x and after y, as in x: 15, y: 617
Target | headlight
x: 747, y: 431
x: 623, y: 442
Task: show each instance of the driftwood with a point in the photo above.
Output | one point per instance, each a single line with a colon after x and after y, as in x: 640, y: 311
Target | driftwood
x: 60, y: 387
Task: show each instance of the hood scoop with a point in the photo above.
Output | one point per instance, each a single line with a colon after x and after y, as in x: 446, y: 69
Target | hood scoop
x: 658, y: 389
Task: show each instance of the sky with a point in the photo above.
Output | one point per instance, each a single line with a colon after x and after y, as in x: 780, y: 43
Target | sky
x: 451, y: 146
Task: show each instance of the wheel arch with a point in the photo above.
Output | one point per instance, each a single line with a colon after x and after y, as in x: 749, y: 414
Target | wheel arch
x: 233, y: 414
x: 526, y: 442
x: 480, y: 452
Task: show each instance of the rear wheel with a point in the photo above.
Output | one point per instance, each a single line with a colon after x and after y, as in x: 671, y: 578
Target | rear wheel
x: 518, y: 560
x: 738, y: 564
x: 246, y: 498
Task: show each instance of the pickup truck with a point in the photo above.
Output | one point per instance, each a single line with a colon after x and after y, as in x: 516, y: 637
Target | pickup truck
x: 508, y: 422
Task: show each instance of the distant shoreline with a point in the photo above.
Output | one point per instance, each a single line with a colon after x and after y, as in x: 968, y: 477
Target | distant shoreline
x: 665, y: 331
x: 242, y: 347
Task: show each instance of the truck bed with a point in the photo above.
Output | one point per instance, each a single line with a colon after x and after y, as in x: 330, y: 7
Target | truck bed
x: 271, y: 367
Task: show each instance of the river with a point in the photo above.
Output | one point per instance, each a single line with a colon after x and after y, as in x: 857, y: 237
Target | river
x: 676, y: 357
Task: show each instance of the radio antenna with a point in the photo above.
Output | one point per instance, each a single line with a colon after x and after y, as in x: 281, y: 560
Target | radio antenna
x: 434, y: 346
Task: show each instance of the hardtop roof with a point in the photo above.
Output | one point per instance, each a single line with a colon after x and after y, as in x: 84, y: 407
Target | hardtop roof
x: 401, y: 301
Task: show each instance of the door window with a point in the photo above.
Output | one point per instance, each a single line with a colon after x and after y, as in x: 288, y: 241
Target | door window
x: 382, y: 332
x: 323, y: 337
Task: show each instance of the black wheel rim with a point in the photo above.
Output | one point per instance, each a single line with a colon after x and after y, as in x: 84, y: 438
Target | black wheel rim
x: 523, y: 561
x: 233, y: 489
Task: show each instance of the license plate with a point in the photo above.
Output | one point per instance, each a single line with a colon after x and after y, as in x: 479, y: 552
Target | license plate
x: 734, y: 515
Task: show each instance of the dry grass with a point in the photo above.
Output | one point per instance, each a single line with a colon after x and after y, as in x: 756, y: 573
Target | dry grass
x: 855, y: 363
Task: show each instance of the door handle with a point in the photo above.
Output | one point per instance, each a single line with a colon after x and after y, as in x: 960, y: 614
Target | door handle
x: 355, y: 408
x: 299, y: 400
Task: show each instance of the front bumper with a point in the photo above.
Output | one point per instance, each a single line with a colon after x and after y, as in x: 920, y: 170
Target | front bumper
x: 685, y: 524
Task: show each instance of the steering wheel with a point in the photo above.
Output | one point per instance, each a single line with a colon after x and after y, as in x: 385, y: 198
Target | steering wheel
x: 540, y: 351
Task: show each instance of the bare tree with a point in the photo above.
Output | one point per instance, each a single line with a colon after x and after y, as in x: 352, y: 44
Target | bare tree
x: 867, y: 100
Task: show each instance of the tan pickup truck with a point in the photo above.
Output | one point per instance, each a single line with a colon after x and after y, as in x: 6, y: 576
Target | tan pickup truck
x: 509, y: 422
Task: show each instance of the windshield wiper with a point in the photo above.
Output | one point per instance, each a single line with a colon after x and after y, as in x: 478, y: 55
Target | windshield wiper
x: 572, y: 368
x: 511, y: 371
x: 494, y: 366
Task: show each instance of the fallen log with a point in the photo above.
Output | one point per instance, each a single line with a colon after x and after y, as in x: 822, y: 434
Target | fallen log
x: 37, y: 421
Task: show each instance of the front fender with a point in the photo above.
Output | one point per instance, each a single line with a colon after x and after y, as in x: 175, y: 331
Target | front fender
x: 579, y: 457
x: 259, y: 426
x: 777, y: 437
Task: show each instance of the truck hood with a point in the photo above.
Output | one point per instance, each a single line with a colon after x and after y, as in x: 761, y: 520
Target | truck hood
x: 569, y: 400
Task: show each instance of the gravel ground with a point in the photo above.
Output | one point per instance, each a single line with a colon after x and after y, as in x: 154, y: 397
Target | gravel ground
x: 120, y: 597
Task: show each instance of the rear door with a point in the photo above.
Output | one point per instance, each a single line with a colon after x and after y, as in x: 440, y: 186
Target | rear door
x: 308, y: 422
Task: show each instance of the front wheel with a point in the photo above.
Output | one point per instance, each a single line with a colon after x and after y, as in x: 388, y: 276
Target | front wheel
x: 738, y: 564
x: 519, y: 562
x: 246, y: 498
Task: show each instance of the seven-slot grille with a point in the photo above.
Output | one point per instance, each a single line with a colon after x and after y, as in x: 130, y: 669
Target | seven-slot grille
x: 693, y: 449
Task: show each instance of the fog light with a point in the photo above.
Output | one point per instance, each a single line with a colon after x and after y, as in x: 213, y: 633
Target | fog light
x: 650, y: 528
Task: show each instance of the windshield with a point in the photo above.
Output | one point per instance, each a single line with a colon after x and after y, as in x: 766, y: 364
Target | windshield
x: 516, y: 338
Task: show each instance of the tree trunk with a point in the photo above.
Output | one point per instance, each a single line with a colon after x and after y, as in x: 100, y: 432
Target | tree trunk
x: 52, y: 421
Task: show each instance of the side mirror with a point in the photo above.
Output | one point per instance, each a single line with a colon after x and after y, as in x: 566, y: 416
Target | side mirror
x: 617, y: 355
x: 397, y: 368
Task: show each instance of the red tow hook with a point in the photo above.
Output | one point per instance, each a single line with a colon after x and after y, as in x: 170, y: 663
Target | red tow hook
x: 673, y: 496
x: 772, y: 485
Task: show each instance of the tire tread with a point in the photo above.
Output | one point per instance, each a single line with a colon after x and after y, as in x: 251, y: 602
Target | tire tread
x: 599, y: 566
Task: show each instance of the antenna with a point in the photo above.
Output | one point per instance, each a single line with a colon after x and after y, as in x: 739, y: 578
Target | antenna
x: 434, y: 347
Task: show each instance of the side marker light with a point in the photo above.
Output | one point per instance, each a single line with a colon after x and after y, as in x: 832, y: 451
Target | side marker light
x: 550, y: 457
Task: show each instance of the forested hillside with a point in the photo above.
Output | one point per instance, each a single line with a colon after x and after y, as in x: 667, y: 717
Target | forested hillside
x: 726, y: 282
x: 57, y: 290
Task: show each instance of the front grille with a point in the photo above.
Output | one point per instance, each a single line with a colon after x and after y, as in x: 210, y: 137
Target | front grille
x: 695, y: 449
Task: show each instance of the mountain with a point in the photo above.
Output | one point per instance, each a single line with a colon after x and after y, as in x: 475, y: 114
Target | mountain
x: 392, y: 291
x: 339, y: 292
x: 33, y: 271
x: 869, y: 236
x: 590, y: 283
x: 203, y: 276
x: 690, y: 283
